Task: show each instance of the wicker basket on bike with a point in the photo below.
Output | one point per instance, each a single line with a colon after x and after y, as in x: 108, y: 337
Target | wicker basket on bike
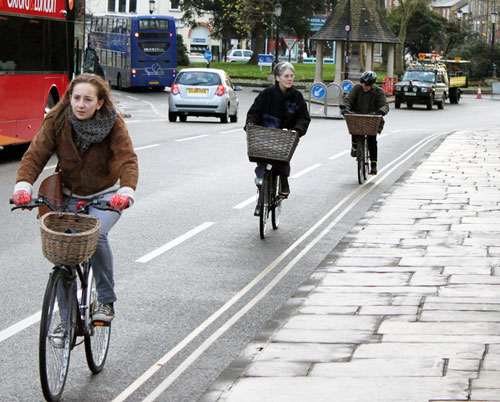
x: 362, y: 124
x: 68, y: 238
x: 265, y: 144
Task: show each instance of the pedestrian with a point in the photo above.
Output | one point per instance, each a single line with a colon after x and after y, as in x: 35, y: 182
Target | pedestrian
x: 280, y: 106
x: 98, y: 68
x: 96, y: 159
x: 367, y: 98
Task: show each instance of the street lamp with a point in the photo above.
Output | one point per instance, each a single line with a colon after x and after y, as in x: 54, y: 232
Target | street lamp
x: 277, y: 14
x: 494, y: 15
x: 151, y: 6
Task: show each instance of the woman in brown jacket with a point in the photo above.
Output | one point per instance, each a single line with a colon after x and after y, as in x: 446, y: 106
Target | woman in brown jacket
x: 96, y: 160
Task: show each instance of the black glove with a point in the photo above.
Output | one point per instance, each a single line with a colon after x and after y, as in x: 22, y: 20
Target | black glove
x: 378, y: 112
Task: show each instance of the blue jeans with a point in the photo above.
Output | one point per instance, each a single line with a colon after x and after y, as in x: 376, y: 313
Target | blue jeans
x: 102, y: 260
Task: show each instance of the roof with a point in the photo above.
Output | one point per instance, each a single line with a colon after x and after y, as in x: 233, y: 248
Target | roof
x: 367, y: 24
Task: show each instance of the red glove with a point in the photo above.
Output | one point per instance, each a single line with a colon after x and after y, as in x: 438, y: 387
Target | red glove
x: 119, y: 202
x: 21, y: 197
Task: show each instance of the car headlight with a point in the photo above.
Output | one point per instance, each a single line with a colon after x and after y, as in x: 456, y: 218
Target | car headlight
x: 415, y: 89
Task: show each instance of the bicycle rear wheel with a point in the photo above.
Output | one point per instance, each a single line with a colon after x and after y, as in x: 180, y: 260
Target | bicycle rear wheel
x: 97, y: 342
x: 55, y: 343
x: 276, y: 208
x: 264, y: 203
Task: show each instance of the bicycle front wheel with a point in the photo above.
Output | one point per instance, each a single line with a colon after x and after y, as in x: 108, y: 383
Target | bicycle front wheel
x: 57, y: 331
x: 360, y: 158
x: 264, y: 199
x: 97, y: 341
x: 276, y: 211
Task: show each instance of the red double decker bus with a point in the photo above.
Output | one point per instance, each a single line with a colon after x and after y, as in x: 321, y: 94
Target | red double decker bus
x: 36, y: 62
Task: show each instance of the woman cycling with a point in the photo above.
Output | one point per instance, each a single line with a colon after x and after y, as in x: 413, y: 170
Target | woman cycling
x: 96, y: 159
x: 280, y: 106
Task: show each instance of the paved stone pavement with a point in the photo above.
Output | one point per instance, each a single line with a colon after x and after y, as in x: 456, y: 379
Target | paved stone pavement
x: 406, y: 308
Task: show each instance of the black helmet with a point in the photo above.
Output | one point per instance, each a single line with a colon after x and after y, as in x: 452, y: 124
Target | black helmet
x: 368, y: 78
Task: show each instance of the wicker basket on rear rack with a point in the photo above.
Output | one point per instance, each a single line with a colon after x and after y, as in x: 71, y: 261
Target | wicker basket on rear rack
x: 61, y: 247
x: 362, y: 124
x: 269, y: 145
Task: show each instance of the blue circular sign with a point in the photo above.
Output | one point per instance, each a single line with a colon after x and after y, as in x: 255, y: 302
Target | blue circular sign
x: 207, y: 54
x: 318, y: 91
x: 346, y: 86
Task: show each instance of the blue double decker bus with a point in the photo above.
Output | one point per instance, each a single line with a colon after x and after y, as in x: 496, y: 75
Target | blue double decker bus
x: 134, y: 50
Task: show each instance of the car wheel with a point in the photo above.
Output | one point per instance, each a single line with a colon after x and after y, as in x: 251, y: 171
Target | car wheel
x: 397, y: 103
x: 183, y: 118
x: 409, y: 105
x: 224, y: 117
x: 172, y: 117
x: 234, y: 118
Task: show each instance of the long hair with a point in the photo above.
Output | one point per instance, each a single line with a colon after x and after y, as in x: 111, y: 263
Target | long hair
x: 58, y: 112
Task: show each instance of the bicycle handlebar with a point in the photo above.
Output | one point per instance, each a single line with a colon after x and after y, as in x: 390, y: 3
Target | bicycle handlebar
x: 82, y: 206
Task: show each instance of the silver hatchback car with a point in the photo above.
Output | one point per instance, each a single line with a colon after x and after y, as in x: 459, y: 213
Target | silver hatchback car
x: 203, y: 92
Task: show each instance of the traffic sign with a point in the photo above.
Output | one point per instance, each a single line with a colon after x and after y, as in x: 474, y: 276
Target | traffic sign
x: 290, y: 42
x: 346, y: 85
x: 318, y: 91
x: 265, y: 59
x: 207, y: 54
x: 347, y: 28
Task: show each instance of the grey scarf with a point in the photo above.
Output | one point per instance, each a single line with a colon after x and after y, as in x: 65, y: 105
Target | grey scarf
x: 91, y: 131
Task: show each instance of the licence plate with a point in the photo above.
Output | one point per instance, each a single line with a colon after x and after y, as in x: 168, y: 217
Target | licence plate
x: 197, y: 90
x: 411, y: 94
x: 154, y: 82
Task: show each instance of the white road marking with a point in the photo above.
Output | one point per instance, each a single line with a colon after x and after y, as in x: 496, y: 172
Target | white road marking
x: 223, y: 328
x: 231, y: 131
x: 243, y: 204
x: 175, y: 242
x: 20, y: 326
x: 306, y: 170
x: 338, y: 155
x: 143, y: 120
x: 146, y: 147
x: 192, y: 138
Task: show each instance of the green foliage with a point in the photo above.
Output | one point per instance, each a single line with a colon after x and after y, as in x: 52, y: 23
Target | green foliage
x: 182, y: 55
x: 425, y: 32
x: 479, y: 54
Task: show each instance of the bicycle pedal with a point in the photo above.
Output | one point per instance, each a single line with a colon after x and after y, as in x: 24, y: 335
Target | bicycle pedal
x: 101, y: 323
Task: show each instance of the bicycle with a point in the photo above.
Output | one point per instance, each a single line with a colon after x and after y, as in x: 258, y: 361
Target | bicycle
x: 70, y: 297
x: 270, y: 145
x: 269, y: 200
x: 360, y: 126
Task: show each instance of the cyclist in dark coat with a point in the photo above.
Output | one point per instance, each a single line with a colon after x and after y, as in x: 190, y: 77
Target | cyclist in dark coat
x: 367, y: 98
x: 280, y: 106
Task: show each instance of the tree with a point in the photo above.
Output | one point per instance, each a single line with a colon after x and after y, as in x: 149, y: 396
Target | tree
x: 398, y: 20
x: 182, y: 56
x: 425, y: 32
x: 238, y: 18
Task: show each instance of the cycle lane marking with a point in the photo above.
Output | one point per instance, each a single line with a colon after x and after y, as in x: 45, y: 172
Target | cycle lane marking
x: 221, y: 330
x: 170, y: 245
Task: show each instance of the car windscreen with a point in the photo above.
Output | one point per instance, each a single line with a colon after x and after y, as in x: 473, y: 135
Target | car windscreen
x: 427, y: 76
x: 198, y: 78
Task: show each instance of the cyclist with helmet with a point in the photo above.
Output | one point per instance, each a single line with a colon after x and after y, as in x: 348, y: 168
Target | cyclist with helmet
x: 367, y: 98
x: 280, y: 106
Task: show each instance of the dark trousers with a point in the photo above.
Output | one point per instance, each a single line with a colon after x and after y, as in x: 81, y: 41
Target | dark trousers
x: 372, y: 146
